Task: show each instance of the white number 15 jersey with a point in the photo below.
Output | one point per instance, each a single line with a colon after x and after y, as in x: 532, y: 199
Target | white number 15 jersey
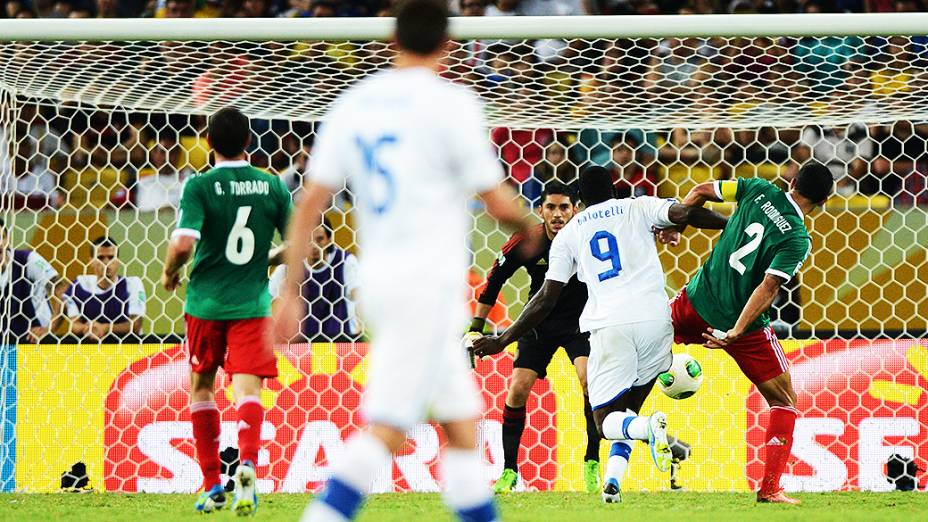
x: 611, y: 248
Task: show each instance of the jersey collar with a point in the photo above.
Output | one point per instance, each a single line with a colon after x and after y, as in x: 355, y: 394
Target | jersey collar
x: 232, y: 164
x: 795, y: 205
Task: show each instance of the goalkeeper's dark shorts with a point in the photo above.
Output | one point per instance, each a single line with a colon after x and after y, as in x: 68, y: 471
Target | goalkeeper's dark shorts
x: 758, y: 353
x: 535, y: 349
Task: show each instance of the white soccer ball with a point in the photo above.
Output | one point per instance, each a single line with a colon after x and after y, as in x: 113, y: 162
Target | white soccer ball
x: 682, y: 379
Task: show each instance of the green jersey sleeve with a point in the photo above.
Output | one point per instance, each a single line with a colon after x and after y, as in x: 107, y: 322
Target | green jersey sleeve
x: 192, y: 210
x: 789, y: 258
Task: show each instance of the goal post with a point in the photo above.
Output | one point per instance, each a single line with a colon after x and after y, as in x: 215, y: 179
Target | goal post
x: 101, y: 121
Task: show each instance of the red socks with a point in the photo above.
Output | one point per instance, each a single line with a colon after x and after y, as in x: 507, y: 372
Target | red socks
x: 779, y: 443
x: 250, y: 417
x: 205, y: 419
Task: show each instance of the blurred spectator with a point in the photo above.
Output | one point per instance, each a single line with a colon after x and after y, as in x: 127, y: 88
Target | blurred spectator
x: 473, y: 8
x: 555, y: 166
x: 555, y: 7
x: 26, y: 283
x: 593, y: 145
x: 12, y: 8
x: 178, y: 9
x: 61, y: 10
x: 503, y: 8
x: 330, y: 289
x: 673, y: 70
x: 846, y: 151
x: 822, y: 60
x: 901, y: 155
x: 160, y: 184
x: 323, y: 9
x: 298, y: 9
x: 690, y: 158
x: 105, y: 304
x: 631, y: 177
x: 255, y: 9
x: 757, y: 153
x: 520, y: 151
x: 210, y: 9
x: 292, y: 176
x: 39, y: 155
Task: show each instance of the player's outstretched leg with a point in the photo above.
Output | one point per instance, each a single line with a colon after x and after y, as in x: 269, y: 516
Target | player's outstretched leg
x: 629, y: 426
x: 591, y: 471
x: 250, y: 416
x: 520, y: 385
x: 346, y: 490
x: 615, y: 471
x: 466, y: 493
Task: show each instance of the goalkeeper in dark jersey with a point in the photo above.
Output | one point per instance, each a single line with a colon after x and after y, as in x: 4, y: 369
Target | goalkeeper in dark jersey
x: 228, y: 216
x: 725, y: 305
x: 535, y: 350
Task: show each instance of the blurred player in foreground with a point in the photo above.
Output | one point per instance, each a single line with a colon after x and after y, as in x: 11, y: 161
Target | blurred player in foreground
x: 610, y: 247
x: 560, y: 329
x: 726, y: 304
x: 414, y: 148
x: 228, y: 216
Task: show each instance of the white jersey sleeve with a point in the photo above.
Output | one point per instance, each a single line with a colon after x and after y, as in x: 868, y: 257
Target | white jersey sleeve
x: 327, y: 166
x: 136, y: 296
x: 277, y: 280
x: 479, y: 166
x: 656, y: 211
x: 562, y: 258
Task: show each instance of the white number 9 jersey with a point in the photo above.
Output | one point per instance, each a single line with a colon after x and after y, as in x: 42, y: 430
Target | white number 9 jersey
x: 611, y: 248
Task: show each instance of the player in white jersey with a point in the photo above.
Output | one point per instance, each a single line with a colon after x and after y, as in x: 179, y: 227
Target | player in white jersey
x: 414, y: 149
x: 610, y: 246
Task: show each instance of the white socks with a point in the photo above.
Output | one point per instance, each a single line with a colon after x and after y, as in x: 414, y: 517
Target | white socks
x: 618, y: 460
x: 625, y: 426
x: 466, y: 491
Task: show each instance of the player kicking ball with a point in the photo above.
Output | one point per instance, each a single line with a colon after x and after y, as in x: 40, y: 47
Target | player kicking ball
x: 228, y: 217
x: 610, y: 246
x: 726, y: 304
x: 560, y: 329
x: 414, y: 148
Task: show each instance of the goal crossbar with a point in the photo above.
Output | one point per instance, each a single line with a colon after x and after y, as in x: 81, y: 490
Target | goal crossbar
x: 466, y: 28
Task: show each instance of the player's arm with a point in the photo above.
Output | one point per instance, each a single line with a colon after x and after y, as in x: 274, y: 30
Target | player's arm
x: 562, y: 265
x: 696, y: 216
x: 185, y: 236
x: 501, y: 205
x: 785, y: 264
x: 306, y: 217
x: 509, y: 261
x: 761, y: 299
x: 538, y: 308
x: 180, y: 250
x: 698, y: 196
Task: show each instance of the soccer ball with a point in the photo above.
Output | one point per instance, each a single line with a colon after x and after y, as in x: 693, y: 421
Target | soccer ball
x: 682, y: 379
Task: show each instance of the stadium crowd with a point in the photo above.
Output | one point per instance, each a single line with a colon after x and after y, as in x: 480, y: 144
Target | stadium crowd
x: 78, y: 157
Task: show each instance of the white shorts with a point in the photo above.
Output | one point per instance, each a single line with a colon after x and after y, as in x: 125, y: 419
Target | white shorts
x: 418, y: 368
x: 627, y: 355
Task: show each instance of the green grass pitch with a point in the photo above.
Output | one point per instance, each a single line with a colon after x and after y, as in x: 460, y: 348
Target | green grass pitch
x: 533, y: 507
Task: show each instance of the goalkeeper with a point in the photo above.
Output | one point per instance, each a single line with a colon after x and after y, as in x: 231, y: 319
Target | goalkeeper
x: 536, y: 348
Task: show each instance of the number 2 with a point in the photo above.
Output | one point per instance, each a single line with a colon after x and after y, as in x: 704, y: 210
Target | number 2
x: 240, y: 245
x: 756, y: 231
x: 610, y: 254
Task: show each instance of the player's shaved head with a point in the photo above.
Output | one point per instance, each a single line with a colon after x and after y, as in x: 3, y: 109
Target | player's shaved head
x: 596, y: 186
x: 815, y: 182
x: 421, y: 26
x: 229, y: 132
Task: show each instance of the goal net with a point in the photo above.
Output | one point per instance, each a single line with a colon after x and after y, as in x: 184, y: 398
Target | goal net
x: 102, y: 121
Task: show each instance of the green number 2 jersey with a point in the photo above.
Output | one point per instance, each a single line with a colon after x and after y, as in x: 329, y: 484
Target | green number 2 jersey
x: 232, y: 210
x: 765, y: 235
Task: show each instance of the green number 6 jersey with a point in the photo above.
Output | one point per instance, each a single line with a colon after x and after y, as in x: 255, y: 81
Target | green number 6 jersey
x: 765, y: 235
x: 232, y: 210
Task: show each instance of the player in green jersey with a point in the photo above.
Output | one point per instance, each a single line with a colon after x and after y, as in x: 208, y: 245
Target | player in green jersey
x: 228, y: 216
x: 725, y: 305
